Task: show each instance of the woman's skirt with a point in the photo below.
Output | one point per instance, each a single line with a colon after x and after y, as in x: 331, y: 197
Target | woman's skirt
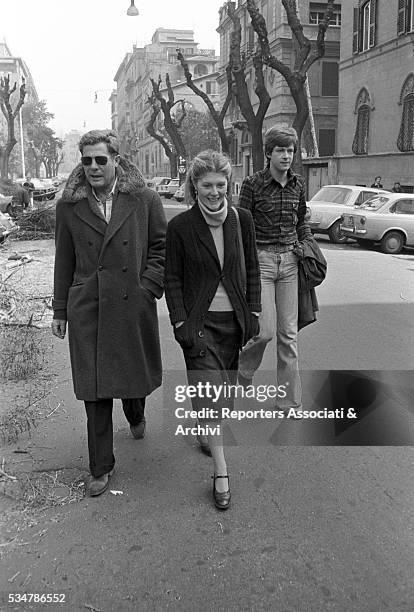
x: 215, y: 373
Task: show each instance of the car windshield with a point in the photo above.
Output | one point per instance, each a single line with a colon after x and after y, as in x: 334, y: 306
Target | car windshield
x: 375, y: 202
x: 336, y: 195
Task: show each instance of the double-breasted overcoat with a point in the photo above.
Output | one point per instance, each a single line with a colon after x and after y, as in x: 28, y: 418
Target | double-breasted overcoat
x: 107, y: 277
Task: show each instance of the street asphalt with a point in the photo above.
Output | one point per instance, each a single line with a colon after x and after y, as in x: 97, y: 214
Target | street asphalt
x: 311, y: 527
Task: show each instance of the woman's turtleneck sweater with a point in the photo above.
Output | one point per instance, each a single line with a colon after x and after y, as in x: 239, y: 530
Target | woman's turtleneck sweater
x: 215, y: 220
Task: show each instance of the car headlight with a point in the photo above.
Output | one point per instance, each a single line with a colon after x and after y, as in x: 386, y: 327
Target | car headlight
x: 363, y: 220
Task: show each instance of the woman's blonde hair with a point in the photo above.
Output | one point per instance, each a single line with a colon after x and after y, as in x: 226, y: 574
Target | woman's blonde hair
x: 205, y: 162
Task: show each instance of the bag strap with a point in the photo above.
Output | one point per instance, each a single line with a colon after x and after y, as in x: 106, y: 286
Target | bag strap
x: 241, y: 250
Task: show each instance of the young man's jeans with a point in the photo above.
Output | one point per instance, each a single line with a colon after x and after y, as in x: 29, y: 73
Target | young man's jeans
x: 279, y: 277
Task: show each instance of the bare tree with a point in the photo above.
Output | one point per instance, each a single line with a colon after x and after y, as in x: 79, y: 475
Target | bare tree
x: 238, y: 65
x: 152, y: 131
x: 172, y: 123
x: 305, y: 52
x: 217, y: 115
x: 5, y: 94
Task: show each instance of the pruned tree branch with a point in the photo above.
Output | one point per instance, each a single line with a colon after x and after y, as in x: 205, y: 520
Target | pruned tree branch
x: 6, y: 108
x: 218, y: 117
x: 305, y: 54
x: 237, y: 61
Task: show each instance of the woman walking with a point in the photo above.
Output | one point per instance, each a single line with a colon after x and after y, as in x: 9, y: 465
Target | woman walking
x: 213, y: 295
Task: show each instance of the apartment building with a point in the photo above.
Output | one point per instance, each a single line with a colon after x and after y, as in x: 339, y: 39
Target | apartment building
x: 323, y: 77
x: 130, y: 109
x: 376, y: 93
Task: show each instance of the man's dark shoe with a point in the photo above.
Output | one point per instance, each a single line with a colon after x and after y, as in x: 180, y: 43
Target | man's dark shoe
x: 97, y: 486
x: 138, y: 431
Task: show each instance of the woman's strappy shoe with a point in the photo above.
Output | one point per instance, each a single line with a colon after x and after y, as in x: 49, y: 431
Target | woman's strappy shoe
x: 221, y: 500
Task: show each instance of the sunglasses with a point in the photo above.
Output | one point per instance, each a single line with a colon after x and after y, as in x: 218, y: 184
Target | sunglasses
x: 101, y: 160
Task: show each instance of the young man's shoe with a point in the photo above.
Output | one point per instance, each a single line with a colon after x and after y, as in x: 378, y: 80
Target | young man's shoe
x: 138, y: 431
x: 97, y: 486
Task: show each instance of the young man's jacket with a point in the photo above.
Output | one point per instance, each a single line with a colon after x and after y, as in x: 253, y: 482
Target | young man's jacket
x: 193, y: 272
x: 312, y: 268
x: 107, y: 277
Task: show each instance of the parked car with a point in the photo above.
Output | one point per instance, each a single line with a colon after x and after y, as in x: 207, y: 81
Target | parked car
x: 388, y: 219
x: 160, y: 180
x: 179, y: 194
x: 7, y: 226
x: 169, y: 190
x: 44, y: 189
x: 331, y: 201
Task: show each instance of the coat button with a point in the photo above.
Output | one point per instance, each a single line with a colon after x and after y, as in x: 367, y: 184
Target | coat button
x: 96, y: 298
x: 90, y: 243
x: 125, y: 296
x: 222, y: 277
x: 100, y: 268
x: 209, y: 299
x: 125, y: 241
x: 200, y: 334
x: 202, y: 353
x: 124, y: 269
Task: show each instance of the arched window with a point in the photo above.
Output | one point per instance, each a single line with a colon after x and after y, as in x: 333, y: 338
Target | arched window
x: 200, y: 70
x: 405, y: 141
x: 363, y: 109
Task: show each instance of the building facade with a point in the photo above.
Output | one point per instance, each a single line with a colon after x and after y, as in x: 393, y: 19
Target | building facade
x: 71, y: 153
x: 376, y: 92
x: 130, y: 109
x: 322, y: 77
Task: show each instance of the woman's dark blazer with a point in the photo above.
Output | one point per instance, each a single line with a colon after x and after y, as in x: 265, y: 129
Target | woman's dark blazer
x: 193, y: 272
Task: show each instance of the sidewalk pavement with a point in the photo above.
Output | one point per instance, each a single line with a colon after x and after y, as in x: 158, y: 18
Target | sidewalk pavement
x: 310, y: 528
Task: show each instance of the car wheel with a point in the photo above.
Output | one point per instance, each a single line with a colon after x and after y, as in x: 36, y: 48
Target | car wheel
x: 335, y: 234
x: 392, y: 243
x: 365, y: 243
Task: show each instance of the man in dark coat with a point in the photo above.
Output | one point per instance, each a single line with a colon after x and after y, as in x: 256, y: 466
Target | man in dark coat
x: 109, y: 266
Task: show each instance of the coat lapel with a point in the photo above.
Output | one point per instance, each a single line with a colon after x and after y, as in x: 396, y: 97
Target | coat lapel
x: 123, y: 206
x: 230, y: 238
x: 84, y: 212
x: 204, y: 233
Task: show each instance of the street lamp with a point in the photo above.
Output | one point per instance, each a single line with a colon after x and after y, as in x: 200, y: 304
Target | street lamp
x: 132, y: 11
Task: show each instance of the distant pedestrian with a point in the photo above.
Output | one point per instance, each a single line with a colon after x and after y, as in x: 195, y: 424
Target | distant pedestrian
x: 397, y: 188
x: 20, y: 200
x: 377, y: 183
x: 29, y: 186
x: 109, y: 268
x: 213, y: 311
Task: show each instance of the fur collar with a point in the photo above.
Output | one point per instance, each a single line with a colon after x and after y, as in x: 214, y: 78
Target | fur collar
x: 130, y: 180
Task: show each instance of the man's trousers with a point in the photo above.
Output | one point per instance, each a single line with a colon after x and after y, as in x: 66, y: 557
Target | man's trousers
x: 100, y: 431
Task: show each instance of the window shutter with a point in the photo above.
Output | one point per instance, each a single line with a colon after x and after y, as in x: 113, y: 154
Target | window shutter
x: 402, y: 9
x: 355, y: 37
x: 373, y: 24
